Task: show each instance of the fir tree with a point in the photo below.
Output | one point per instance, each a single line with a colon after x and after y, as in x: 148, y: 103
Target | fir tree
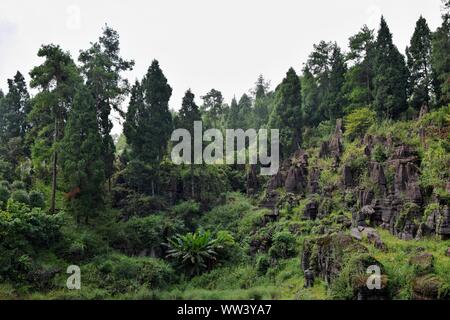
x: 390, y: 76
x: 81, y: 157
x: 213, y: 107
x: 189, y: 113
x: 233, y: 115
x: 418, y: 55
x: 245, y: 112
x: 102, y: 67
x: 287, y: 114
x: 327, y: 64
x: 148, y: 123
x: 14, y: 124
x: 57, y: 79
x: 441, y: 58
x: 359, y: 78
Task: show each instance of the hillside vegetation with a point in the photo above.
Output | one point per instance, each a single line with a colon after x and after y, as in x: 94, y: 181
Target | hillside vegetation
x: 363, y: 181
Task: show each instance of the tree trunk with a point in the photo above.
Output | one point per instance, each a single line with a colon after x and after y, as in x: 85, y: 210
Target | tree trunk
x: 54, y: 169
x: 192, y: 181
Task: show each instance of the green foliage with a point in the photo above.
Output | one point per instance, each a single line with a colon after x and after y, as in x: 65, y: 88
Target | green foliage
x: 286, y: 115
x: 4, y: 196
x: 147, y: 234
x: 421, y: 76
x: 434, y: 165
x: 283, y: 245
x: 228, y: 216
x: 37, y: 199
x: 262, y: 264
x: 102, y: 67
x: 18, y: 185
x: 188, y: 212
x: 358, y: 122
x: 441, y: 61
x: 118, y: 273
x: 81, y: 158
x: 20, y: 196
x: 22, y: 231
x: 199, y: 251
x: 148, y: 122
x: 390, y: 76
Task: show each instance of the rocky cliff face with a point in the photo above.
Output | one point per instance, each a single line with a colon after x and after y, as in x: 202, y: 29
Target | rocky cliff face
x: 396, y: 204
x: 381, y: 191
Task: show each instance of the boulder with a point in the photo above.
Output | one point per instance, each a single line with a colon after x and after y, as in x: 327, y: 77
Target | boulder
x: 364, y: 214
x: 443, y: 228
x: 356, y: 234
x: 423, y: 263
x: 372, y: 236
x: 324, y: 150
x: 376, y: 173
x: 314, y: 176
x: 311, y: 210
x: 426, y: 287
x: 347, y: 177
x: 335, y: 145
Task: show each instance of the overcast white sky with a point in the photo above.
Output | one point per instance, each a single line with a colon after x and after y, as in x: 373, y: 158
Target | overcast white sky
x: 200, y: 44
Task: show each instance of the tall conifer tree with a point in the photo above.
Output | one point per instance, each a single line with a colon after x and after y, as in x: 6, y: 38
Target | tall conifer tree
x: 391, y: 76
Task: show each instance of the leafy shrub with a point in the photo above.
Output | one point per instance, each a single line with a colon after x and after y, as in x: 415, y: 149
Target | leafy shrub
x: 37, y: 199
x: 6, y: 170
x: 227, y: 216
x: 20, y: 196
x: 199, y: 251
x: 142, y: 205
x: 188, y: 211
x: 4, y: 196
x: 283, y: 246
x: 358, y: 122
x: 5, y: 184
x: 434, y: 165
x: 18, y: 185
x: 379, y: 153
x: 22, y: 231
x: 144, y: 235
x: 262, y: 264
x: 118, y: 273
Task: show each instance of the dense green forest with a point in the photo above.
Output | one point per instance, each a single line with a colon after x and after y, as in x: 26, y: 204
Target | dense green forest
x: 364, y: 178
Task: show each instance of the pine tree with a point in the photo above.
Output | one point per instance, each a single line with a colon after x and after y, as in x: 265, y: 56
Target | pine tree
x: 390, y: 76
x: 245, y: 112
x: 81, y: 157
x: 309, y: 98
x: 57, y: 79
x: 441, y: 59
x: 359, y: 78
x: 261, y: 87
x: 262, y: 98
x: 14, y: 124
x: 327, y: 64
x: 148, y: 123
x: 335, y: 99
x: 233, y: 115
x: 418, y: 55
x: 287, y: 114
x: 189, y: 113
x: 213, y: 107
x: 102, y: 67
